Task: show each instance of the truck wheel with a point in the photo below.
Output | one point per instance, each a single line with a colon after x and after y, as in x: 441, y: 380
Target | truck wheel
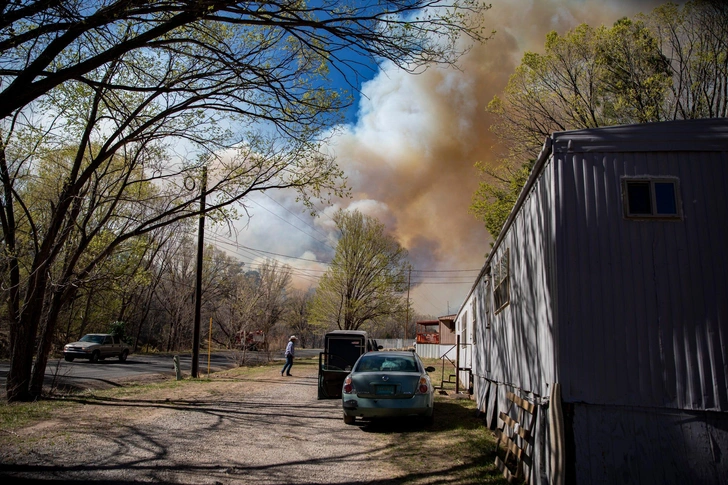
x: 68, y: 358
x: 95, y: 356
x: 123, y: 356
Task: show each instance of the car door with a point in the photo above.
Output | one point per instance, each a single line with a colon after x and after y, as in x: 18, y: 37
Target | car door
x: 107, y: 348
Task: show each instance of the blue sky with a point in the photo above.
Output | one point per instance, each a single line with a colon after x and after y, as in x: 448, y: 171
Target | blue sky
x: 408, y: 150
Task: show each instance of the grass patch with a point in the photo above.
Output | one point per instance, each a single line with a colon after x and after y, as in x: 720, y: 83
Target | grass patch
x: 457, y: 447
x: 17, y: 415
x: 441, y: 375
x: 260, y: 369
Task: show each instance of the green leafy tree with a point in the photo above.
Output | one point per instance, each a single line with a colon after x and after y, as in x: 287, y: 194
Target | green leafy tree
x: 273, y: 284
x: 118, y: 328
x: 495, y: 197
x: 367, y: 277
x: 124, y: 82
x: 297, y: 316
x: 693, y: 37
x: 670, y: 64
x: 635, y: 78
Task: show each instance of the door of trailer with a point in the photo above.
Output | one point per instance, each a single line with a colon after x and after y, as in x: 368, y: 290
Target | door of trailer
x: 342, y: 348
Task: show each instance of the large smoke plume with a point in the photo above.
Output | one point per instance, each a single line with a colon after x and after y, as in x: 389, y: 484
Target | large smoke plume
x: 410, y: 157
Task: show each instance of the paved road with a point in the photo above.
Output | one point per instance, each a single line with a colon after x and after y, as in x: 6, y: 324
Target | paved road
x: 108, y: 373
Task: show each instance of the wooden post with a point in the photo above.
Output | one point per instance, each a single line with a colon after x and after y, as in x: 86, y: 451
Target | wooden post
x: 457, y: 364
x: 177, y: 369
x: 557, y: 448
x: 198, y: 279
x: 409, y: 280
x: 209, y: 347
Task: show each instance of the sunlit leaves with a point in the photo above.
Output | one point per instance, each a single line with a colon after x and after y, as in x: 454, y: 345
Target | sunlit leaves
x: 143, y: 94
x: 670, y: 64
x: 367, y: 276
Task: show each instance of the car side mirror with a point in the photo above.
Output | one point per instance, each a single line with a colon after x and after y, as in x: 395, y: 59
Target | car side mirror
x: 430, y: 369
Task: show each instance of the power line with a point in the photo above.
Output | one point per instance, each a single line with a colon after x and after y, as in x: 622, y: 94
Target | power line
x: 447, y: 275
x: 294, y: 215
x: 445, y: 270
x: 289, y: 223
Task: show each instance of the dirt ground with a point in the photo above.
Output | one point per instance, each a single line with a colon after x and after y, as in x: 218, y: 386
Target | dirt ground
x: 246, y: 428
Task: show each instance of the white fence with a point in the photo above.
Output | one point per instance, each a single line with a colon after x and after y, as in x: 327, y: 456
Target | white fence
x: 436, y: 351
x: 396, y: 343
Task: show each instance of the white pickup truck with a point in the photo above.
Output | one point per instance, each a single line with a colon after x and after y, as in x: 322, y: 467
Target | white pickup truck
x: 95, y: 347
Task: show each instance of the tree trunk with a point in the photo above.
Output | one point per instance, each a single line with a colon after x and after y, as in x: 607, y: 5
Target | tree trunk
x: 86, y: 313
x: 26, y: 325
x: 19, y: 354
x: 17, y: 385
x: 47, y: 335
x: 26, y: 329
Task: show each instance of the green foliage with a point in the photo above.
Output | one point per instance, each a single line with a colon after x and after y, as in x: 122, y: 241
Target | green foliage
x: 670, y: 64
x: 110, y: 110
x: 367, y: 277
x: 118, y: 328
x: 636, y: 76
x: 495, y: 198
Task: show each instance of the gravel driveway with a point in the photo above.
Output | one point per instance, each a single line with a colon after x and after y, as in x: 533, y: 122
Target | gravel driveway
x: 264, y: 430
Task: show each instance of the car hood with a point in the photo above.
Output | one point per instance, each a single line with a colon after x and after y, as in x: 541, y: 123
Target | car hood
x: 82, y: 345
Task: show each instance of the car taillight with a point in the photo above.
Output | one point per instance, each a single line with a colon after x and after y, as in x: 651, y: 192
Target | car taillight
x: 423, y: 387
x: 348, y: 386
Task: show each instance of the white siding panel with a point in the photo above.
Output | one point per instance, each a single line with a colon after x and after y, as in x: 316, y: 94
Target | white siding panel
x: 642, y: 303
x: 522, y: 353
x: 631, y: 317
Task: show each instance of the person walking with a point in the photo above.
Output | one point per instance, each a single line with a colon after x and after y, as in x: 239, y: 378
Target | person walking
x: 290, y: 350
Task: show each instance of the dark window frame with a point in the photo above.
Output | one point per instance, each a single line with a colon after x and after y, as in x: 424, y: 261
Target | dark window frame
x: 501, y: 272
x: 653, y: 184
x: 464, y: 330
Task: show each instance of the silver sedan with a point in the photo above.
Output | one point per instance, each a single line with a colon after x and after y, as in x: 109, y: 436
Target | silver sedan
x: 388, y: 384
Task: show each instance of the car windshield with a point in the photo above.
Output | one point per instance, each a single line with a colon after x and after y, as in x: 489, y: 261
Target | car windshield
x: 378, y: 363
x: 97, y: 339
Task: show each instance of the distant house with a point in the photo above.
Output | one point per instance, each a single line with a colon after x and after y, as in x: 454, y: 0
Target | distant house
x: 448, y: 334
x: 436, y: 338
x: 606, y: 292
x: 427, y: 332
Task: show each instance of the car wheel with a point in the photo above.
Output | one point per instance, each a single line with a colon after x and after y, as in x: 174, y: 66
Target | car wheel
x: 95, y: 356
x: 123, y: 356
x: 68, y: 358
x: 349, y: 419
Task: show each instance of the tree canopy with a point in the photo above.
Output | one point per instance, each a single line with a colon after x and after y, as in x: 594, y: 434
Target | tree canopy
x: 669, y: 64
x: 111, y: 109
x: 367, y: 277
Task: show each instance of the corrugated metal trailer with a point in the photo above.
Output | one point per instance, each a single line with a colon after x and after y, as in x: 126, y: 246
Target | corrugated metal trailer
x: 609, y: 278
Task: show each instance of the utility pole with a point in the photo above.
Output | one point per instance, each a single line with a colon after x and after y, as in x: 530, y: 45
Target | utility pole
x: 198, y: 283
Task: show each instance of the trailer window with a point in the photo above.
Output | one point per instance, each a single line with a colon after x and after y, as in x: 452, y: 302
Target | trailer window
x: 501, y: 282
x: 464, y: 330
x: 651, y: 198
